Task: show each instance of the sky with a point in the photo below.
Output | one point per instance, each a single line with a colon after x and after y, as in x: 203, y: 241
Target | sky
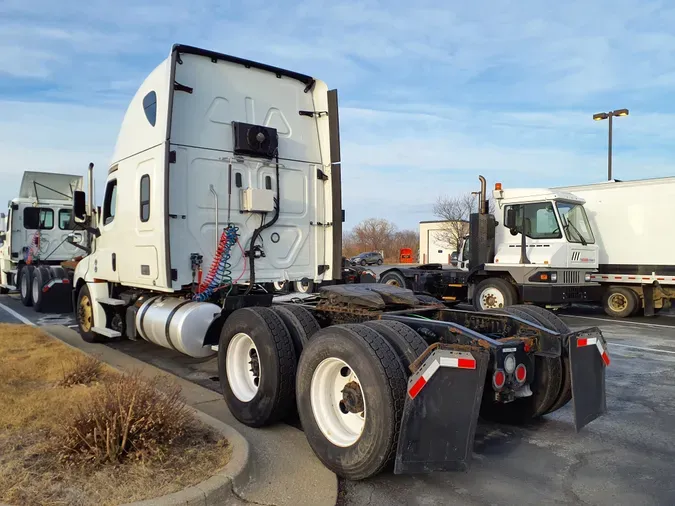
x: 432, y: 94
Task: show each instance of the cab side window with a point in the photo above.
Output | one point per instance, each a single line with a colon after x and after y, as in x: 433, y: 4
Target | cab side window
x: 110, y: 202
x: 145, y: 198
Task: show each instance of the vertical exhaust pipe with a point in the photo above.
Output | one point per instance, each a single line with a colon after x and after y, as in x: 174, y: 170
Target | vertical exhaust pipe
x: 482, y: 204
x: 90, y: 189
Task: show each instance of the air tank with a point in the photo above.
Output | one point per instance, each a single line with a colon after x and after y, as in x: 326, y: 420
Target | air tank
x: 177, y: 324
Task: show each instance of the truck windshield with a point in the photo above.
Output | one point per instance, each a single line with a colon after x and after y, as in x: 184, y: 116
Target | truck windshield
x: 575, y: 223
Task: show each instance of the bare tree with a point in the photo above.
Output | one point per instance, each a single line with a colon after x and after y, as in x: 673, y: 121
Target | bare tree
x: 375, y: 234
x: 455, y: 211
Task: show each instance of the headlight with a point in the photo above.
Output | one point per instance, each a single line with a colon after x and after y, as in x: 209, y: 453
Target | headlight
x: 587, y: 277
x: 554, y: 277
x: 510, y: 363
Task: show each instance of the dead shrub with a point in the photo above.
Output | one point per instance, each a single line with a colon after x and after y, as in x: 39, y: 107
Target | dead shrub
x: 83, y: 370
x: 127, y: 418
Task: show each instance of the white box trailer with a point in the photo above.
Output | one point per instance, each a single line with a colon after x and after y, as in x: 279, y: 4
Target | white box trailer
x: 37, y: 237
x: 634, y: 228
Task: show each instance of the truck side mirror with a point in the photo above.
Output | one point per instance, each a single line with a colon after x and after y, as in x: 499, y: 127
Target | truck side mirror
x: 79, y: 207
x: 510, y: 221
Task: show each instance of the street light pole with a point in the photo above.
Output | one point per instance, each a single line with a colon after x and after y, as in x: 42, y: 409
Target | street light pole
x: 609, y: 115
x: 609, y: 150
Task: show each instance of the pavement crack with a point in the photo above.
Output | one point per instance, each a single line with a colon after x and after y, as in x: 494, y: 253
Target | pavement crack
x: 242, y: 499
x: 571, y: 474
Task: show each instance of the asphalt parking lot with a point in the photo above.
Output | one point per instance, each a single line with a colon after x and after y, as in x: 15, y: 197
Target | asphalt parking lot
x: 625, y: 457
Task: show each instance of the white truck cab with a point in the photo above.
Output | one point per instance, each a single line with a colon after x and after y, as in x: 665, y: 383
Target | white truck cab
x: 36, y: 228
x: 223, y: 176
x: 558, y: 233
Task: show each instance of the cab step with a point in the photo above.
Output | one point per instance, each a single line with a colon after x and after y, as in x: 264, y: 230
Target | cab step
x: 109, y: 301
x: 106, y: 332
x: 11, y: 288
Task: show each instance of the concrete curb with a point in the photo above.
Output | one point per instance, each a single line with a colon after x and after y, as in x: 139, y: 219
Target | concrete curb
x: 219, y: 488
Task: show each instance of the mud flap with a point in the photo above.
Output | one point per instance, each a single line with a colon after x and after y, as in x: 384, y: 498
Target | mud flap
x: 588, y: 359
x: 57, y: 299
x: 441, y: 411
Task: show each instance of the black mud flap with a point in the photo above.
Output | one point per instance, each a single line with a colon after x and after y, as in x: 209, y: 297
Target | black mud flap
x: 57, y: 299
x: 588, y: 359
x: 441, y: 411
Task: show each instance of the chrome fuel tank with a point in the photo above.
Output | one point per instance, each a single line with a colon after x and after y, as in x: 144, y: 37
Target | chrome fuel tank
x: 177, y: 324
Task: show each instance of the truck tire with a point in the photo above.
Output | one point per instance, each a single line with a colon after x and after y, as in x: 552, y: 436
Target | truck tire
x: 301, y: 287
x: 298, y: 325
x: 494, y: 293
x: 394, y: 278
x: 41, y: 276
x: 407, y: 343
x: 256, y: 366
x: 620, y: 302
x: 309, y: 323
x: 84, y: 314
x: 549, y: 320
x: 546, y: 386
x: 355, y: 436
x: 26, y: 285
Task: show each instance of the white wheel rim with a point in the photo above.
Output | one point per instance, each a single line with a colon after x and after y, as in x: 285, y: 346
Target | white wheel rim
x: 279, y: 285
x: 326, y: 394
x: 301, y: 287
x: 491, y: 298
x: 36, y: 289
x: 240, y: 364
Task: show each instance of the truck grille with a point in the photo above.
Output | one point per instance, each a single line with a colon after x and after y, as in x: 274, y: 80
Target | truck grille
x: 571, y: 277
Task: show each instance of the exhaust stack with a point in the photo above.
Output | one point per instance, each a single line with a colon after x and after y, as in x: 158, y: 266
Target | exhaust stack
x: 482, y: 204
x: 90, y: 189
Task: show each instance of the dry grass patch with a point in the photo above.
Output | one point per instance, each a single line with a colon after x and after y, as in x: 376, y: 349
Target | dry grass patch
x: 83, y: 370
x: 102, y: 439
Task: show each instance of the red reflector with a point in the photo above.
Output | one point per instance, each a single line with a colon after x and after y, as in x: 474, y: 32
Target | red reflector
x: 605, y: 358
x: 45, y: 289
x: 582, y: 342
x: 415, y: 389
x: 65, y: 281
x: 466, y: 363
x: 498, y: 379
x: 521, y: 373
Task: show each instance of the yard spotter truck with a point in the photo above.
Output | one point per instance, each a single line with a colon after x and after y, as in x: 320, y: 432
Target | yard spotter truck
x: 636, y: 239
x: 235, y: 165
x: 537, y: 248
x: 36, y: 237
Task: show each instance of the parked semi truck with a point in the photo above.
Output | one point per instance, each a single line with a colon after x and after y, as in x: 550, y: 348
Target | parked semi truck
x: 231, y: 168
x: 37, y: 236
x: 633, y: 228
x: 551, y: 263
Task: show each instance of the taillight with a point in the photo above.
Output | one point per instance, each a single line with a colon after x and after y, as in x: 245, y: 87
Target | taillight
x: 498, y: 379
x: 521, y: 373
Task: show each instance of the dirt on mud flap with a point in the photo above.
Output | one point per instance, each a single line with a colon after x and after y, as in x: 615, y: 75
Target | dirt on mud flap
x: 441, y: 411
x: 588, y: 360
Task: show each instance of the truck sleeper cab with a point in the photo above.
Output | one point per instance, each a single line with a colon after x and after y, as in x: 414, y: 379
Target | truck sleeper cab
x: 199, y: 213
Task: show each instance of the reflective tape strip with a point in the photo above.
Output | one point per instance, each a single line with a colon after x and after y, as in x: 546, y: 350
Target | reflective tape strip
x: 422, y: 380
x: 460, y: 363
x: 461, y: 360
x: 590, y: 341
x: 586, y: 341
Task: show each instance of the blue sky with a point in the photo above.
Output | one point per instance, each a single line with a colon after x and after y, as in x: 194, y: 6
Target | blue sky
x: 431, y: 93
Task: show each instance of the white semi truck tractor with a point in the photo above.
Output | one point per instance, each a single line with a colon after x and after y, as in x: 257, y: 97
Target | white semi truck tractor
x: 226, y: 177
x: 36, y: 237
x: 633, y: 226
x: 537, y: 247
